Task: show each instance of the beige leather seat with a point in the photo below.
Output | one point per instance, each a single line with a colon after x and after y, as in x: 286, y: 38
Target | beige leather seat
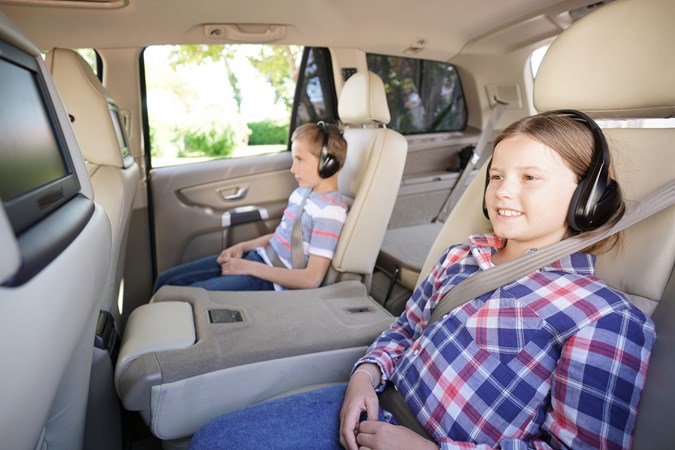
x: 371, y: 175
x: 104, y: 145
x: 617, y: 64
x: 174, y: 359
x: 114, y: 176
x: 47, y: 324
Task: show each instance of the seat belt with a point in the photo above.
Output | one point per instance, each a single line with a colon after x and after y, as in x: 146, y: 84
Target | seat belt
x: 297, y: 253
x: 489, y: 280
x: 463, y: 180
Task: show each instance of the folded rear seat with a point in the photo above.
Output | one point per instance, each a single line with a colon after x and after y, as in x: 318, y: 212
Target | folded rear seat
x: 180, y: 367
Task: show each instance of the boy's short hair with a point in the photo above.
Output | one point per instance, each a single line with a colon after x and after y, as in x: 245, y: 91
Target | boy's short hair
x: 337, y: 145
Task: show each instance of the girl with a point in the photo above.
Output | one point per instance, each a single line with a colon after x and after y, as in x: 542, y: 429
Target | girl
x: 554, y: 360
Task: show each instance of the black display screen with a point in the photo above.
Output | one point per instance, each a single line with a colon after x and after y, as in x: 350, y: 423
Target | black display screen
x: 36, y: 174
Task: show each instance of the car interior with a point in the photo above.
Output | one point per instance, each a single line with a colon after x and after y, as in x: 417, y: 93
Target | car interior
x: 90, y: 214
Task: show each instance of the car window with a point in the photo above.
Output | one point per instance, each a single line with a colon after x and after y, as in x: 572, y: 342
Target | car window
x: 218, y: 101
x: 424, y: 96
x: 315, y: 96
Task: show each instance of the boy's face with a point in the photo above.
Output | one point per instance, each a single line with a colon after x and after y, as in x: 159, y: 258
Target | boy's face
x: 305, y: 165
x: 529, y: 193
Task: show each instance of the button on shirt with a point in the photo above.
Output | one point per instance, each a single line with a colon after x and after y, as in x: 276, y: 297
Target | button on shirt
x: 553, y: 360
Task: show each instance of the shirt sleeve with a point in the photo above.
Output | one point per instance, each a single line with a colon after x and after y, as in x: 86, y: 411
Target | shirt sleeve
x: 596, y: 387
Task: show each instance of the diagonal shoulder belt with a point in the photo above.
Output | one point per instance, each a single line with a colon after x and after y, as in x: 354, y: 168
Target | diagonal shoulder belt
x: 297, y: 253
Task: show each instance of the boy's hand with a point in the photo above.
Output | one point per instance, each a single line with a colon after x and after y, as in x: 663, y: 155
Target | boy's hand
x: 236, y: 251
x: 235, y: 265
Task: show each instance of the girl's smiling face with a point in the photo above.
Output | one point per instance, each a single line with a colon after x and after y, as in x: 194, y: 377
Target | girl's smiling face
x: 529, y: 193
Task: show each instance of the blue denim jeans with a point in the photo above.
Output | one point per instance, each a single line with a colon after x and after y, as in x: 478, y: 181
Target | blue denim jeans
x: 310, y: 420
x: 205, y: 273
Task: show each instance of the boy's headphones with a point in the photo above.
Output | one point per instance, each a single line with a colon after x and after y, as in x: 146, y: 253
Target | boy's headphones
x: 328, y: 163
x: 597, y: 197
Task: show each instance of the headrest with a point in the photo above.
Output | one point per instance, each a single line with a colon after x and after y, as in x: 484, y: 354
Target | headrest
x: 617, y: 62
x: 89, y: 103
x: 363, y: 101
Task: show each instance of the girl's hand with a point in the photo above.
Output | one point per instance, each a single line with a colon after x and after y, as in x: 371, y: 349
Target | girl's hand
x: 360, y: 397
x: 377, y: 435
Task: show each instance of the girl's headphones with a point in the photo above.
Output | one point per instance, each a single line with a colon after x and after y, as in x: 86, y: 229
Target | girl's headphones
x: 597, y: 197
x: 328, y: 163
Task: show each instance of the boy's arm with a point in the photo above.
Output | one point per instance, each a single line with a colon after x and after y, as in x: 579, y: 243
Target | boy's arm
x: 237, y: 250
x: 309, y: 277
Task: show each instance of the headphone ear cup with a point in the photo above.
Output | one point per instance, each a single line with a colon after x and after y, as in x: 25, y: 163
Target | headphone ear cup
x: 586, y: 215
x: 328, y: 166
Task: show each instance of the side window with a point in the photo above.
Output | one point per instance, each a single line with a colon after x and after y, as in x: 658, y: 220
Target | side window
x: 218, y: 101
x: 424, y: 96
x: 315, y: 97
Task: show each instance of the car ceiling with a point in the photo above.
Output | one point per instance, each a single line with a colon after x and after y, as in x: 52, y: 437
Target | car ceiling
x: 445, y: 28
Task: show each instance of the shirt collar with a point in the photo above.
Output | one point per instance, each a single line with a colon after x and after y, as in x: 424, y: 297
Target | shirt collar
x: 483, y: 246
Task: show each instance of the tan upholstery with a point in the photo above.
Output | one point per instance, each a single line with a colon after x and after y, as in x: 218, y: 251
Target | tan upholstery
x: 48, y: 323
x: 465, y: 218
x: 618, y: 62
x: 114, y: 176
x: 371, y: 175
x: 336, y: 321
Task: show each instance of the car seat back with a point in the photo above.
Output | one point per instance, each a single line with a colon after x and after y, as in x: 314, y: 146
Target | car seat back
x: 102, y: 138
x: 371, y: 175
x: 616, y: 64
x: 48, y: 321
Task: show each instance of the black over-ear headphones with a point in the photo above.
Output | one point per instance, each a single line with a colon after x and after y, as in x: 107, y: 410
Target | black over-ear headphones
x: 597, y: 197
x: 328, y: 163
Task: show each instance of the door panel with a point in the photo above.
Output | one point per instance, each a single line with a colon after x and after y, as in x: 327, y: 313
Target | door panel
x: 202, y: 208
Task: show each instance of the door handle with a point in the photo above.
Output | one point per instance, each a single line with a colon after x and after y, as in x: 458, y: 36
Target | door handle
x: 237, y: 195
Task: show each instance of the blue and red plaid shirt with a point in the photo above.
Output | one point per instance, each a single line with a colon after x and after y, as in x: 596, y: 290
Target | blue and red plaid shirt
x: 556, y: 359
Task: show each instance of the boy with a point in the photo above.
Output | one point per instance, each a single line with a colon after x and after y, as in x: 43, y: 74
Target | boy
x: 267, y: 263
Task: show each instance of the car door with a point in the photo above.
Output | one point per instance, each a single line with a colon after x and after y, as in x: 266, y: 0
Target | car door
x: 199, y: 208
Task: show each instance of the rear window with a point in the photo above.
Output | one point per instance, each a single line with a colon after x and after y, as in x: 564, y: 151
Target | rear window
x: 424, y: 96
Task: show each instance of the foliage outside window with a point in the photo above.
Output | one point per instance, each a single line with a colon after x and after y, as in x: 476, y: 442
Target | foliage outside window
x: 424, y: 96
x: 214, y: 101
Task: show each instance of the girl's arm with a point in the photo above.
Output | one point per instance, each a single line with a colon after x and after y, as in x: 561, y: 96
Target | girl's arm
x: 393, y: 342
